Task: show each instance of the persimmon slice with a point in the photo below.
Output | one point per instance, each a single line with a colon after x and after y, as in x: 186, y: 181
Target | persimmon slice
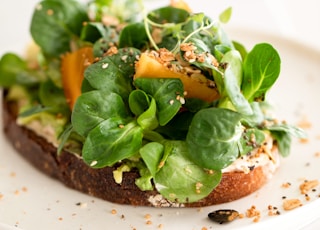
x: 195, y: 87
x: 73, y: 66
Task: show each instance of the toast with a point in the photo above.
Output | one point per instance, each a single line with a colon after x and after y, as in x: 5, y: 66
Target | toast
x: 74, y: 173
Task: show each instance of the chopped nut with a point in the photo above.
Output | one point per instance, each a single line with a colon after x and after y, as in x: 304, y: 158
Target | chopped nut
x: 252, y: 212
x: 305, y: 123
x: 308, y: 185
x: 147, y: 216
x: 291, y: 204
x: 286, y: 185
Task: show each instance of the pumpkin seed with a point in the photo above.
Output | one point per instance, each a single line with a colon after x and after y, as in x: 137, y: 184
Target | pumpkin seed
x: 223, y: 215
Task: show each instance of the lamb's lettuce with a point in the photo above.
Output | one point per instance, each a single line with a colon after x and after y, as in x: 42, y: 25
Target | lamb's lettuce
x: 261, y: 70
x: 56, y: 23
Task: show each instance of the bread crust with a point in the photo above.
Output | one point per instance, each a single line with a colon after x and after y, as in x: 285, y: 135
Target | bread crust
x: 74, y: 173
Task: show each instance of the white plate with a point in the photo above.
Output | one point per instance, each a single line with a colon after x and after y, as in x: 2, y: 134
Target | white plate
x: 30, y: 200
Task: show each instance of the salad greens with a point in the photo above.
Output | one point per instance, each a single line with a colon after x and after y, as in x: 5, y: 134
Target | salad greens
x: 180, y: 145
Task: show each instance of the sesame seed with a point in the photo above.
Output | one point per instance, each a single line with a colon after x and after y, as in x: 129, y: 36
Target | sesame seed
x: 171, y: 102
x: 124, y: 58
x: 188, y: 170
x: 105, y: 65
x: 93, y: 163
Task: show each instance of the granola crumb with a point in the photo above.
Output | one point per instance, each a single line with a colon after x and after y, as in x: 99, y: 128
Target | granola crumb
x: 286, y: 185
x: 306, y: 186
x: 256, y: 219
x: 305, y: 123
x: 307, y: 197
x: 291, y: 204
x: 273, y: 211
x: 147, y: 216
x: 252, y: 212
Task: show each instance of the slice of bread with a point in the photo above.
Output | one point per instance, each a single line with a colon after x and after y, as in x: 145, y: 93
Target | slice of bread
x: 74, y: 173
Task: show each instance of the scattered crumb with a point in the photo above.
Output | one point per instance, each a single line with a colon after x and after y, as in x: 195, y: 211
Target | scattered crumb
x: 306, y: 186
x: 204, y: 228
x: 256, y: 219
x: 24, y: 189
x: 113, y: 211
x: 304, y: 123
x: 253, y: 213
x: 13, y: 174
x: 304, y: 140
x: 17, y: 192
x: 317, y: 154
x: 60, y: 218
x: 273, y: 211
x: 291, y: 204
x: 286, y: 185
x: 160, y: 226
x: 147, y: 217
x: 1, y: 196
x: 307, y: 197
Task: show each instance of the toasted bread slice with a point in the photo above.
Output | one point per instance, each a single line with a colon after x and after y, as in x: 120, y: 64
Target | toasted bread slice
x: 74, y: 173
